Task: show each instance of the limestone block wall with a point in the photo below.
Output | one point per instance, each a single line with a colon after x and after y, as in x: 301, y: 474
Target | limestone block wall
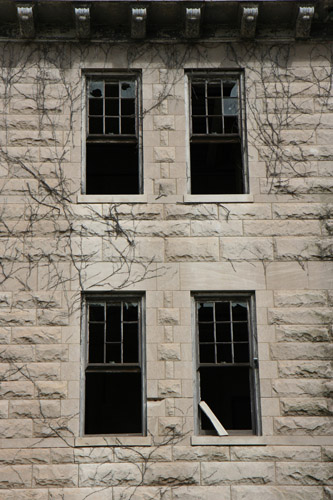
x: 57, y: 244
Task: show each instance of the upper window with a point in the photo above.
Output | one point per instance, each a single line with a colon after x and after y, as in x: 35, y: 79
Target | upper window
x: 227, y: 365
x: 114, y: 378
x: 113, y: 138
x: 216, y: 135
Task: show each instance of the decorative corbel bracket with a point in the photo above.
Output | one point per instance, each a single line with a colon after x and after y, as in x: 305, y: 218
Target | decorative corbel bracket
x: 249, y: 16
x: 26, y: 20
x: 138, y: 22
x: 192, y: 22
x: 304, y: 20
x: 82, y: 21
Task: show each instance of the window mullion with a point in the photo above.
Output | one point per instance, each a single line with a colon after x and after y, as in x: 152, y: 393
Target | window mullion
x: 232, y: 333
x: 206, y: 107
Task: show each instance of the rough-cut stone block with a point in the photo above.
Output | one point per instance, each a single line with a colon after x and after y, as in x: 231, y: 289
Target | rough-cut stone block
x: 52, y: 390
x: 169, y: 352
x: 164, y: 122
x: 192, y: 249
x: 302, y: 387
x: 299, y: 298
x: 202, y: 492
x: 169, y: 388
x: 62, y: 456
x: 24, y: 456
x: 16, y: 476
x: 46, y: 353
x: 221, y: 228
x: 36, y: 335
x: 172, y: 427
x: 305, y: 369
x: 4, y: 409
x: 168, y: 316
x: 22, y: 389
x: 300, y: 333
x: 172, y: 474
x: 50, y: 317
x: 327, y: 452
x: 192, y: 212
x: 139, y: 493
x: 17, y: 354
x: 34, y: 409
x: 55, y: 475
x: 302, y: 210
x: 295, y: 350
x: 17, y: 318
x: 281, y: 228
x: 109, y: 474
x: 15, y: 428
x: 276, y: 453
x: 306, y: 406
x: 164, y: 154
x: 246, y: 248
x: 143, y: 454
x: 313, y: 426
x: 232, y: 473
x: 303, y: 248
x: 202, y: 453
x: 275, y: 493
x: 301, y: 473
x: 298, y: 316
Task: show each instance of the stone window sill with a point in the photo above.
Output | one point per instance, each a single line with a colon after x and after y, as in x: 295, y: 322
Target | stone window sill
x: 112, y: 198
x: 228, y: 441
x: 87, y: 441
x: 218, y: 198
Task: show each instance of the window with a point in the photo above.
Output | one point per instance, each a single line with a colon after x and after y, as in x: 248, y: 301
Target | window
x: 216, y: 134
x: 227, y: 365
x: 113, y: 145
x: 114, y: 368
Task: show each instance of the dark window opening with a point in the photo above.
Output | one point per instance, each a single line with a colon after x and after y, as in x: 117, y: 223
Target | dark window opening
x: 226, y: 364
x: 114, y: 375
x: 112, y: 148
x: 216, y: 151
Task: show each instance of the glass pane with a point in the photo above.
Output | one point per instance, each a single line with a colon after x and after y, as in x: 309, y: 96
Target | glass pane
x: 207, y: 353
x: 214, y: 107
x: 241, y: 352
x: 215, y: 125
x: 112, y: 89
x: 96, y: 313
x: 112, y: 126
x: 131, y: 343
x: 231, y: 125
x: 113, y: 323
x: 214, y: 89
x: 112, y: 107
x: 223, y: 332
x: 128, y: 90
x: 198, y: 99
x: 206, y: 332
x: 230, y: 89
x: 128, y: 107
x: 95, y: 89
x: 128, y: 126
x: 222, y: 311
x: 239, y: 311
x: 224, y: 353
x: 205, y: 311
x: 130, y: 311
x: 96, y: 343
x: 230, y: 107
x: 199, y: 125
x: 240, y: 332
x: 95, y: 106
x: 95, y: 125
x: 113, y: 353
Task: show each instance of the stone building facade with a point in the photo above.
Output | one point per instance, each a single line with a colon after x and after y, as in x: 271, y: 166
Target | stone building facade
x: 166, y: 179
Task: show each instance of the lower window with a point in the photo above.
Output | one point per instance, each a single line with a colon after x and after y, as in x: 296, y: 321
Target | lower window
x: 114, y: 374
x: 227, y: 365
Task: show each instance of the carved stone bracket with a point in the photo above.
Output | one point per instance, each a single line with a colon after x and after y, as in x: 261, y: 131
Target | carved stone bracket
x: 82, y: 21
x: 26, y: 20
x: 192, y: 22
x: 304, y: 20
x: 249, y: 20
x: 138, y: 22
